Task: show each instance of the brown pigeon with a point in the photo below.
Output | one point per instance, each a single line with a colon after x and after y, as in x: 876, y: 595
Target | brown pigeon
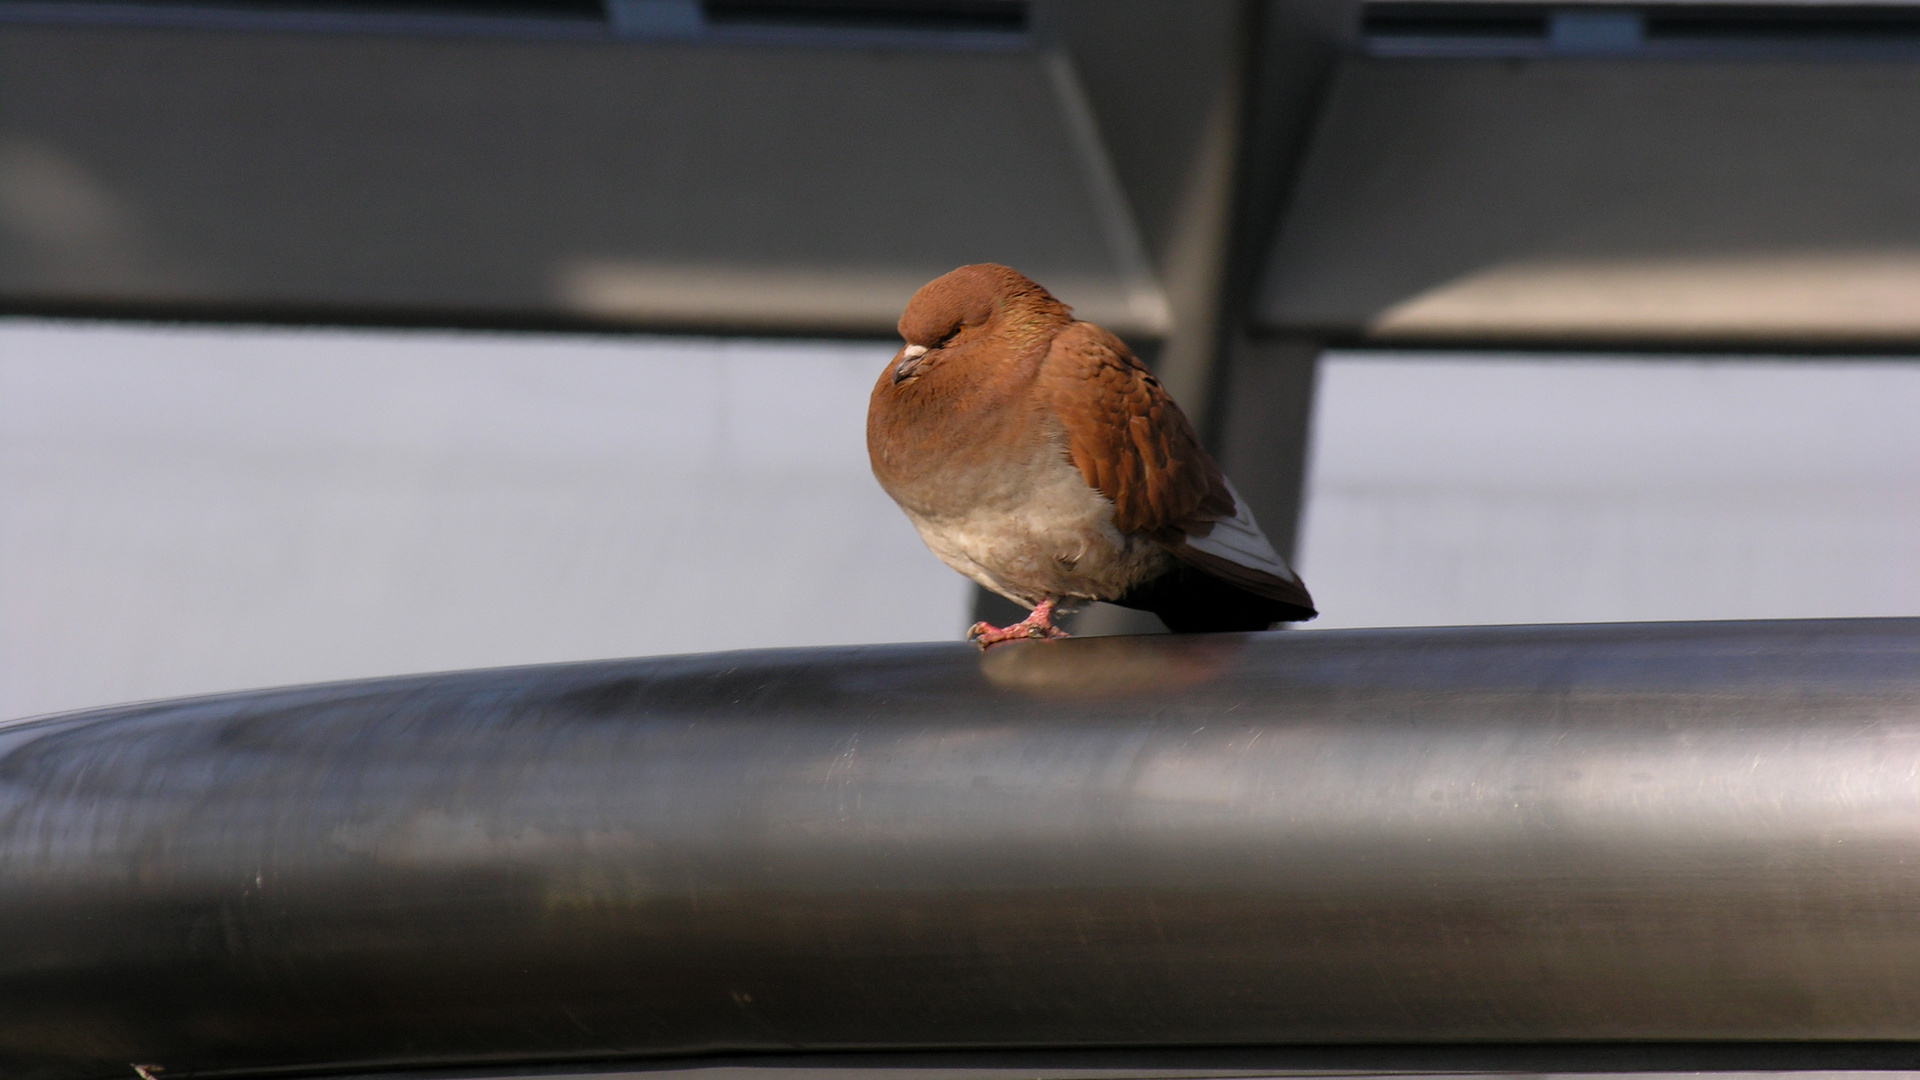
x: 1038, y: 457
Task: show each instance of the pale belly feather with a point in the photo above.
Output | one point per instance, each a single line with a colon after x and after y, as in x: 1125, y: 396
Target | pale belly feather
x: 1037, y: 531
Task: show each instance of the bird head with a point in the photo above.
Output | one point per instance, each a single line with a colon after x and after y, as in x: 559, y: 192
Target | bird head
x: 968, y: 305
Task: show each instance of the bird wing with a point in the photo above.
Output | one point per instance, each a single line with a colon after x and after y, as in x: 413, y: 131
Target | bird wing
x: 1132, y: 444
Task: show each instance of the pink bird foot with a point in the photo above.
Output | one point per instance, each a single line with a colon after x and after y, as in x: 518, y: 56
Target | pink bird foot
x: 1037, y: 625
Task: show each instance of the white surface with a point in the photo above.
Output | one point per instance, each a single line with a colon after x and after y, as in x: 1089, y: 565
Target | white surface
x: 195, y: 510
x: 1453, y: 489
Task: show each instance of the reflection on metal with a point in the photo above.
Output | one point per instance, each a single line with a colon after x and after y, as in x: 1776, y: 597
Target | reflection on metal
x: 1815, y: 296
x: 777, y: 298
x: 1655, y: 832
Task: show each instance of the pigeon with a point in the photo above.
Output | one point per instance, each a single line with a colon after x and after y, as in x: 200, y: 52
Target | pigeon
x: 1036, y: 455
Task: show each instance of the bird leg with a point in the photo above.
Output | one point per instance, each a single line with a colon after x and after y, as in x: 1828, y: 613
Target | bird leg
x: 1037, y: 625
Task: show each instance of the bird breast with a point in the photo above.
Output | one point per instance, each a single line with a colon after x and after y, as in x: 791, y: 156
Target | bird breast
x: 1028, y: 527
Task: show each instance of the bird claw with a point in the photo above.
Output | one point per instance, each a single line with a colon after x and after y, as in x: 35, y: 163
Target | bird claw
x: 1035, y: 627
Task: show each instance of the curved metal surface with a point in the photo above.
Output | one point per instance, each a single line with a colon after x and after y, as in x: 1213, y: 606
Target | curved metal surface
x: 1678, y: 832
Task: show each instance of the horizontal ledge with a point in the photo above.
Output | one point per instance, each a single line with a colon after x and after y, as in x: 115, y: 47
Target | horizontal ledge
x: 398, y: 317
x: 1335, y: 336
x: 616, y: 299
x: 1808, y: 300
x: 586, y: 24
x: 1589, y: 1061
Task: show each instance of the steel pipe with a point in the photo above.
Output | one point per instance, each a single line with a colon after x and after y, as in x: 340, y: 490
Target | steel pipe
x: 1650, y: 832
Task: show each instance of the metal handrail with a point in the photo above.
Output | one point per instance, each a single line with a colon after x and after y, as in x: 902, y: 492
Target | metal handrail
x: 1520, y: 834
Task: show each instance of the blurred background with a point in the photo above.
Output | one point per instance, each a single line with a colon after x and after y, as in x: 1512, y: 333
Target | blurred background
x: 348, y: 339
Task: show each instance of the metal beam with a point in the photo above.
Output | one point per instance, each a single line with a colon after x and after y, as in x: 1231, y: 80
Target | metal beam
x: 470, y: 180
x: 1660, y: 832
x: 1746, y: 205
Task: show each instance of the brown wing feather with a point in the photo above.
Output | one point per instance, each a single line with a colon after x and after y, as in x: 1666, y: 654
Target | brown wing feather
x: 1128, y: 438
x: 1132, y: 444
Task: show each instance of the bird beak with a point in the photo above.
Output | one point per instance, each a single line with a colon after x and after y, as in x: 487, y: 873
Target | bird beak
x: 910, y: 360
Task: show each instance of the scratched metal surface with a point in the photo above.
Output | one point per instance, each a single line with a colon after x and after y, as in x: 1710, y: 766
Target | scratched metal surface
x: 1509, y: 834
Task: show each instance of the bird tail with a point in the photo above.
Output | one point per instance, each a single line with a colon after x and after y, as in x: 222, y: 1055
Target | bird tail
x: 1192, y: 600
